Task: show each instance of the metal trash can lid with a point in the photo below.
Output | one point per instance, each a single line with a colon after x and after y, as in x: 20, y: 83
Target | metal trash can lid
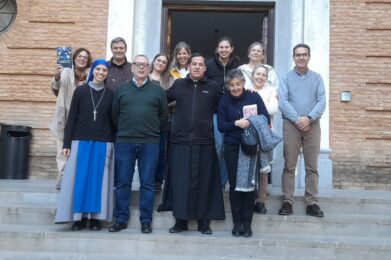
x: 16, y: 128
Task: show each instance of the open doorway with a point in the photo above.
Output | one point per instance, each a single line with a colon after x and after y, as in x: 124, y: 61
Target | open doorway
x: 201, y: 24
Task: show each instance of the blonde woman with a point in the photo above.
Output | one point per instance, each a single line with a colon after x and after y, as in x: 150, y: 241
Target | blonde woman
x: 179, y: 64
x: 256, y: 55
x: 269, y: 97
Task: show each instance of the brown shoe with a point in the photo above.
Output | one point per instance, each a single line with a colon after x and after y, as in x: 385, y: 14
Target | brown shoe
x: 286, y: 209
x: 314, y: 210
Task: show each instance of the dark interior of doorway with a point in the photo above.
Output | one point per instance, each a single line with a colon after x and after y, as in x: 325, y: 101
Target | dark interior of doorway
x: 202, y: 29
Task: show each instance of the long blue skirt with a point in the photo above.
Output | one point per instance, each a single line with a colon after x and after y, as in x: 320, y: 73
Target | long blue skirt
x: 88, y: 183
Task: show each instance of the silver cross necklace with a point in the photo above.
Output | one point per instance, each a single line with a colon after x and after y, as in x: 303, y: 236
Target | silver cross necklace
x: 93, y: 102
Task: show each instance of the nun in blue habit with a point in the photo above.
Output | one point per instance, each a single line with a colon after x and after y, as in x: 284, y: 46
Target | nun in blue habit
x: 86, y: 195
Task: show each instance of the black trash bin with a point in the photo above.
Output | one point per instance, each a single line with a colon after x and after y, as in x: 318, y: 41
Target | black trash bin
x: 14, y: 151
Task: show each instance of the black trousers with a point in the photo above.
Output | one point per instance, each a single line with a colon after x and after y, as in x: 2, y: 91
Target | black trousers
x: 242, y: 203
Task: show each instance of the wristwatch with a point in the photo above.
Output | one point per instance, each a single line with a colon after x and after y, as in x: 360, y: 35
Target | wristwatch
x: 311, y: 119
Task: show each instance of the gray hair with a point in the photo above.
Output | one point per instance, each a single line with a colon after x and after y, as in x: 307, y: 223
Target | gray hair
x: 141, y: 55
x: 118, y: 40
x: 260, y: 66
x: 234, y: 74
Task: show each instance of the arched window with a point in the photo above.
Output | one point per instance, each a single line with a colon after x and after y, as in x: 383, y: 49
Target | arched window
x: 7, y: 14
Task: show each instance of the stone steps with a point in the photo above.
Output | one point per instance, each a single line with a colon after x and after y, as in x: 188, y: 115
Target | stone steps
x: 357, y: 225
x: 29, y: 255
x: 331, y: 224
x: 43, y: 238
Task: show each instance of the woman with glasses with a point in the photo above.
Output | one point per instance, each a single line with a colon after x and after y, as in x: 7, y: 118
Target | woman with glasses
x: 63, y: 85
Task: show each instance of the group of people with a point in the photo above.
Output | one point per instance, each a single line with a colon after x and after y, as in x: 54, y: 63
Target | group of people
x: 182, y: 123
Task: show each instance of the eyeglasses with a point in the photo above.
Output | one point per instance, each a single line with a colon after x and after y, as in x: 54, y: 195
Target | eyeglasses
x: 82, y: 57
x: 141, y: 65
x: 299, y: 55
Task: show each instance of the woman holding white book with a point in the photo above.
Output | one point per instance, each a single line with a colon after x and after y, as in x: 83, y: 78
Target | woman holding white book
x: 233, y: 108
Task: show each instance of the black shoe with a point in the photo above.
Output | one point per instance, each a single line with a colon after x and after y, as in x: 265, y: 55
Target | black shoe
x: 260, y: 208
x: 177, y: 228
x: 203, y: 227
x: 163, y: 207
x: 79, y: 225
x: 146, y: 227
x: 247, y: 232
x: 206, y: 230
x: 117, y: 227
x: 314, y: 210
x: 286, y: 209
x: 95, y: 225
x: 237, y: 230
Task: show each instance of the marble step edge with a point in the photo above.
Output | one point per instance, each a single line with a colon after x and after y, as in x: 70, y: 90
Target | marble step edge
x: 52, y: 255
x: 47, y: 186
x: 296, y: 217
x: 39, y: 197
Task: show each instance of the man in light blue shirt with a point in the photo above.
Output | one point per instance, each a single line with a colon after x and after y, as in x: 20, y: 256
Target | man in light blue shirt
x: 302, y: 102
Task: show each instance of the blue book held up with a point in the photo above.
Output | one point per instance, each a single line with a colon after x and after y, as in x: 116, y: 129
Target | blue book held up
x: 64, y: 56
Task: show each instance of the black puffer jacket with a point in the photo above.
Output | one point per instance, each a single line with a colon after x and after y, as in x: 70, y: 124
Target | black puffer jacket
x: 216, y: 71
x: 196, y: 101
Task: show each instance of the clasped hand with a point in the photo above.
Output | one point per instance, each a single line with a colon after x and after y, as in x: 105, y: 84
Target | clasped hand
x: 242, y: 123
x: 303, y: 124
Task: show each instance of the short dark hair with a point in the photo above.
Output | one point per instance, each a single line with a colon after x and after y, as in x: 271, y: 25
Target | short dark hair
x: 197, y: 54
x: 77, y: 51
x: 117, y: 40
x: 301, y: 45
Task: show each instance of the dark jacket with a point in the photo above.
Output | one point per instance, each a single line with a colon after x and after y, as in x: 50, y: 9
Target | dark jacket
x: 196, y: 101
x: 216, y: 71
x: 118, y: 74
x: 231, y: 109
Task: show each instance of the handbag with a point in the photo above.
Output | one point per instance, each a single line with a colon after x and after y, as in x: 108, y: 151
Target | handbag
x: 249, y: 142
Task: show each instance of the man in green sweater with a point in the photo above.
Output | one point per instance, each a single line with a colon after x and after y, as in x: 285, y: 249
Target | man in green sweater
x: 302, y: 102
x: 139, y: 111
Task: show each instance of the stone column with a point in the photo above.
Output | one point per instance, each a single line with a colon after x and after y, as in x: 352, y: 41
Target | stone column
x: 296, y: 22
x: 121, y: 24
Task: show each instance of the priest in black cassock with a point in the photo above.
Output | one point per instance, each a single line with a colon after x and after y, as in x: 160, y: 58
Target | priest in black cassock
x: 195, y: 184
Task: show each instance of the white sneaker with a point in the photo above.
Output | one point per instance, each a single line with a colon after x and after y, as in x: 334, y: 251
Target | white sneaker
x: 265, y: 169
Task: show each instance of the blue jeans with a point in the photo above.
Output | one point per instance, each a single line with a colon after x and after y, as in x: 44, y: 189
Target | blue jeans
x: 162, y: 165
x: 219, y: 139
x: 125, y: 160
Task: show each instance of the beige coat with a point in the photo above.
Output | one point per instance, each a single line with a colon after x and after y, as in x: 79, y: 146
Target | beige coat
x: 64, y: 89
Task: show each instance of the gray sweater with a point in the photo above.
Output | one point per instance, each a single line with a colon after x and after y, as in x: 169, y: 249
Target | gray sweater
x: 302, y: 95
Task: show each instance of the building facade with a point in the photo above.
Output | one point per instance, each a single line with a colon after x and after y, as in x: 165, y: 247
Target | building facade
x: 349, y: 46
